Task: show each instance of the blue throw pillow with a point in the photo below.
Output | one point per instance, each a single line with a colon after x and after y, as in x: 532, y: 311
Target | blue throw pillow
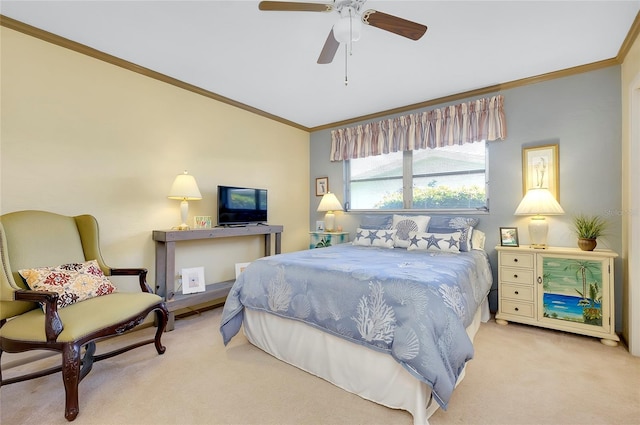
x: 376, y: 222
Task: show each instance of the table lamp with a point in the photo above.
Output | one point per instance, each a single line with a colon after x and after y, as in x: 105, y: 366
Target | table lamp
x: 329, y: 203
x: 537, y: 202
x: 185, y: 189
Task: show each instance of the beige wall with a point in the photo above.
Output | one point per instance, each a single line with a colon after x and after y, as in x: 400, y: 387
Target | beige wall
x: 631, y: 198
x: 82, y: 136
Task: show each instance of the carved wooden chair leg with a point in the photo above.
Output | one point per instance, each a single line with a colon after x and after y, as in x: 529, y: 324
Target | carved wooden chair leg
x: 162, y: 316
x: 71, y: 378
x: 87, y: 359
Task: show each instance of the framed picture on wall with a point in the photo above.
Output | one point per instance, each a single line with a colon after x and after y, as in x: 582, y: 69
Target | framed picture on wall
x: 509, y: 236
x: 540, y: 169
x: 322, y: 185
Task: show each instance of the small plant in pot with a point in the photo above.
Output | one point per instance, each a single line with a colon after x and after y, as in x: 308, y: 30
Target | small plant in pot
x: 588, y: 228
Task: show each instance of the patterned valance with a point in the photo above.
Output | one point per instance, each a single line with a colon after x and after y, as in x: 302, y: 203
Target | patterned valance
x: 468, y: 122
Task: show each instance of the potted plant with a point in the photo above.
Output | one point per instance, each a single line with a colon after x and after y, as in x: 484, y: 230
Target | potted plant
x: 588, y: 228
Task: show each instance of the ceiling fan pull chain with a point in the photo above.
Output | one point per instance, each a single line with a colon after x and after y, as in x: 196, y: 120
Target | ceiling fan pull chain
x: 348, y: 49
x: 346, y: 68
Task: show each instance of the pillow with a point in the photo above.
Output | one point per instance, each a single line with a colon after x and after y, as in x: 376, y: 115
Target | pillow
x: 450, y: 224
x: 375, y: 222
x: 443, y: 242
x: 404, y: 224
x: 452, y: 221
x: 477, y: 240
x: 73, y: 282
x: 465, y: 240
x: 375, y: 237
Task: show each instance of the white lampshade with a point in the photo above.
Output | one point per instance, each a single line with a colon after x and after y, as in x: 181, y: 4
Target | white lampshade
x: 537, y: 202
x: 184, y: 188
x: 329, y: 203
x: 349, y: 26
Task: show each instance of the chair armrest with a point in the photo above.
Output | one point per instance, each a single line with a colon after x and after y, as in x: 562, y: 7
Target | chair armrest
x: 141, y: 273
x: 49, y: 300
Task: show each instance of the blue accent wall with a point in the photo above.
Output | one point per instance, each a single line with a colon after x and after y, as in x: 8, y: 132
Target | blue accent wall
x: 582, y: 114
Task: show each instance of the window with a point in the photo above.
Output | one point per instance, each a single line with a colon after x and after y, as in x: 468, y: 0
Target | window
x: 446, y: 178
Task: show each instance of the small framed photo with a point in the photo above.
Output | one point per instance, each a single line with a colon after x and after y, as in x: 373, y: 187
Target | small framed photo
x: 240, y: 268
x: 319, y: 226
x: 540, y: 169
x: 202, y: 222
x: 193, y: 280
x: 322, y: 185
x: 509, y: 236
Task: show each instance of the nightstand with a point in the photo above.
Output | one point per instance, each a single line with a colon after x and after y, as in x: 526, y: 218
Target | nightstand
x: 558, y: 288
x: 323, y: 239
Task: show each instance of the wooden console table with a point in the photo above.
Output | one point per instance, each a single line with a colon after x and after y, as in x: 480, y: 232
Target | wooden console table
x: 166, y: 262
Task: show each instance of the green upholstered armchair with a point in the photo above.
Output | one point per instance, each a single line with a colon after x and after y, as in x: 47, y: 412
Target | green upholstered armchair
x: 35, y: 319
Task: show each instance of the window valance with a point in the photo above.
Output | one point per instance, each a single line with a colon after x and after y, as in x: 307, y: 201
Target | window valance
x: 468, y: 122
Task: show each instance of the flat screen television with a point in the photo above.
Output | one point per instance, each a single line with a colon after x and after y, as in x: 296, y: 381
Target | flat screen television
x: 241, y: 206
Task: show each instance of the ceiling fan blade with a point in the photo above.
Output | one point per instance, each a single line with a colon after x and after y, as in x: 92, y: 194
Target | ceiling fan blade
x: 288, y: 6
x: 394, y: 24
x: 329, y: 49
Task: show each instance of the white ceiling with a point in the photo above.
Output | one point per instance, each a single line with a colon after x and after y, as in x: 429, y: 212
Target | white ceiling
x: 267, y: 60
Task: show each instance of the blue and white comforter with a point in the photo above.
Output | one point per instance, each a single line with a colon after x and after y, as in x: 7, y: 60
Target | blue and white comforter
x: 413, y: 305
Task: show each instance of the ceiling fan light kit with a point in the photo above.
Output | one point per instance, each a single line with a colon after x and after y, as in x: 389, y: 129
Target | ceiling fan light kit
x: 348, y: 28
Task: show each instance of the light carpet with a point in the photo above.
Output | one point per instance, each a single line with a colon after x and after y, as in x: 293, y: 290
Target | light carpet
x: 520, y: 375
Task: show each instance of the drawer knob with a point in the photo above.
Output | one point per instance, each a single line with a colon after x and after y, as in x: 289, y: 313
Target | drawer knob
x: 515, y: 276
x: 515, y: 260
x: 516, y: 292
x: 516, y: 309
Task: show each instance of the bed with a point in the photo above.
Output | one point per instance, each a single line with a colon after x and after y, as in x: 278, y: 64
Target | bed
x: 392, y: 324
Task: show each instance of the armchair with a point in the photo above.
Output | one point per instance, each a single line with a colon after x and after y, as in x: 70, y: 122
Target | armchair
x: 38, y: 320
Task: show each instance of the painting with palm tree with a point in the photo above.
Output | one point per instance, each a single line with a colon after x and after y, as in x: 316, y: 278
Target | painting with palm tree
x: 572, y: 290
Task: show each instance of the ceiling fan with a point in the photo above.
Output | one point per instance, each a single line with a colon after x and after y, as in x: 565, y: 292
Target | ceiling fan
x: 348, y: 27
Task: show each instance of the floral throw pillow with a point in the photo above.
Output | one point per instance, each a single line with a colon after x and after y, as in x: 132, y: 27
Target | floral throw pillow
x: 443, y: 242
x: 375, y: 237
x: 404, y: 224
x: 73, y: 282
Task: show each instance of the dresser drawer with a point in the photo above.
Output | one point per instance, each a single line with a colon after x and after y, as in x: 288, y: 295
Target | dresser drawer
x: 518, y: 259
x: 516, y: 292
x: 516, y: 275
x: 516, y: 308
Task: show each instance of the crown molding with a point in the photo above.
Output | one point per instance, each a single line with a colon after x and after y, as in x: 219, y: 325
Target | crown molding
x: 113, y: 60
x: 16, y: 25
x: 475, y: 93
x: 631, y: 37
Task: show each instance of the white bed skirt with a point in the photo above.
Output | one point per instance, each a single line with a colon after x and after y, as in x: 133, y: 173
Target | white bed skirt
x: 360, y: 370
